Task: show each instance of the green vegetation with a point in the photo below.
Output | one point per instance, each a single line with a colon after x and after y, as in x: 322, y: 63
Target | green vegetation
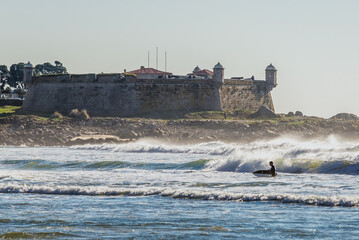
x: 40, y: 118
x: 48, y: 68
x: 4, y: 72
x: 56, y: 116
x: 296, y: 123
x: 16, y: 72
x: 229, y: 115
x: 8, y: 110
x: 205, y: 115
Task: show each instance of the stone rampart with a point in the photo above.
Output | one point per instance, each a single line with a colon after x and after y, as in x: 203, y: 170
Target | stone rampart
x: 127, y: 96
x: 109, y: 78
x: 52, y: 78
x: 245, y: 95
x: 11, y: 102
x: 111, y: 95
x: 83, y: 78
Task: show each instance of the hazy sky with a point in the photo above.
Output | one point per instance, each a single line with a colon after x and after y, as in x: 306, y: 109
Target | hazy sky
x: 313, y: 43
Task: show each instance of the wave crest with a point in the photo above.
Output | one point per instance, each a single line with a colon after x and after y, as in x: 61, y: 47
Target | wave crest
x: 348, y: 201
x: 289, y: 155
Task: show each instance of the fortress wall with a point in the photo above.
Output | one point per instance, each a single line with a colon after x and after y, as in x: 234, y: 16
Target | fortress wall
x: 245, y: 97
x: 169, y: 81
x: 177, y: 98
x: 83, y: 77
x: 108, y: 78
x: 63, y: 97
x: 131, y: 98
x: 113, y: 95
x: 238, y: 82
x: 52, y: 78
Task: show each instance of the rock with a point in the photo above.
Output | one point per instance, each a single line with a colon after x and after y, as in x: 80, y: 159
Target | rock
x: 263, y: 112
x: 271, y: 133
x: 298, y: 114
x: 345, y: 116
x: 134, y: 133
x: 290, y: 114
x: 94, y: 139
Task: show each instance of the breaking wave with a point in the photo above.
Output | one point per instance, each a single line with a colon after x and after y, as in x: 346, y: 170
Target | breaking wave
x: 211, y: 148
x: 227, y: 164
x: 329, y: 156
x: 286, y: 166
x: 100, y: 165
x: 346, y: 201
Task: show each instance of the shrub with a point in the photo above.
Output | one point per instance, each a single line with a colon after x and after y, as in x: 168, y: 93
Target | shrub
x: 57, y: 115
x: 75, y: 113
x: 84, y: 115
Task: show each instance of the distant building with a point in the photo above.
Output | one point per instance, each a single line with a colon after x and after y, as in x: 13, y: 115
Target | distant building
x: 149, y: 73
x: 205, y: 73
x: 28, y: 72
x: 146, y: 92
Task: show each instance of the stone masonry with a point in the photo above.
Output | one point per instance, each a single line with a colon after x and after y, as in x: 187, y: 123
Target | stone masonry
x: 126, y: 96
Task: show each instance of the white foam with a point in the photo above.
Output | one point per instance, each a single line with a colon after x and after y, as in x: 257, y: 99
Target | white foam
x: 348, y: 201
x: 289, y: 155
x: 211, y: 148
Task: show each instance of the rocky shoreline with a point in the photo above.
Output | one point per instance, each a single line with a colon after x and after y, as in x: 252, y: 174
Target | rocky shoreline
x: 18, y: 130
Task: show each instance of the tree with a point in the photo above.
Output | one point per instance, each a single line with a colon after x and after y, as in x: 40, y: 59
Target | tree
x: 20, y: 89
x: 48, y: 68
x: 5, y: 87
x: 4, y: 72
x: 16, y: 73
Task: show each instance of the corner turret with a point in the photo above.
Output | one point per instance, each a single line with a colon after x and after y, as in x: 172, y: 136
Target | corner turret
x: 271, y: 75
x: 218, y: 73
x: 28, y: 70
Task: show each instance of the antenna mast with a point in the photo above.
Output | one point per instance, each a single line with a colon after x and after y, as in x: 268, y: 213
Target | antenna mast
x: 157, y: 58
x: 148, y: 59
x: 166, y: 61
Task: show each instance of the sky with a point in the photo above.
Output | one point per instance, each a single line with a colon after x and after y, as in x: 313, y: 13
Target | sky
x: 314, y: 44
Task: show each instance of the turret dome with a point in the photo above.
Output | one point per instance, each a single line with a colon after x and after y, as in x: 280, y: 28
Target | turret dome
x: 218, y: 66
x: 271, y: 67
x: 28, y: 65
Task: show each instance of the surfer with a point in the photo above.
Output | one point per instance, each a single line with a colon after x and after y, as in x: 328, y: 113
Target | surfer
x: 272, y: 168
x: 271, y: 172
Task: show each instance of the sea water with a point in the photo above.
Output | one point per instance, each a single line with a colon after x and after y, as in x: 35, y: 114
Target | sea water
x: 154, y: 190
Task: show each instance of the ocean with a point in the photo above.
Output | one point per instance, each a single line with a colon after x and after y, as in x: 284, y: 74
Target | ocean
x: 155, y: 190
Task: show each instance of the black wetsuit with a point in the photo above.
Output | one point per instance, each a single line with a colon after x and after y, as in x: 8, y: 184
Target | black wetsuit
x: 272, y: 170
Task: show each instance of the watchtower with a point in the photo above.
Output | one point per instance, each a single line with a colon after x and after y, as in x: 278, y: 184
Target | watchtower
x: 218, y: 73
x: 271, y: 75
x: 28, y: 69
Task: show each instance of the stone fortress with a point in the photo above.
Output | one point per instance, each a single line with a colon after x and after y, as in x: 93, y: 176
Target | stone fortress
x: 146, y: 92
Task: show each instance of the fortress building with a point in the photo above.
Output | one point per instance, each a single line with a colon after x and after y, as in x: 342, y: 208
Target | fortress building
x: 146, y: 92
x: 149, y: 73
x: 204, y: 73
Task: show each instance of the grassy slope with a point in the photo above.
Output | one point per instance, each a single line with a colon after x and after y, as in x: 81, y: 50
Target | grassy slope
x: 6, y: 111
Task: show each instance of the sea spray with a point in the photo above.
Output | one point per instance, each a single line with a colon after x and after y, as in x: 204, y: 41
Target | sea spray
x: 289, y: 156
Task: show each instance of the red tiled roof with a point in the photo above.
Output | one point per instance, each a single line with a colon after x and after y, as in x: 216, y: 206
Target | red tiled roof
x: 144, y: 70
x: 204, y: 72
